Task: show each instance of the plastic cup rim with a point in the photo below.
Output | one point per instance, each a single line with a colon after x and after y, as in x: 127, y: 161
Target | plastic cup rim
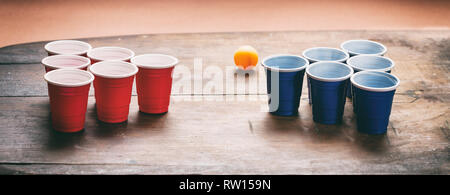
x: 376, y: 56
x: 46, y: 64
x: 284, y: 69
x: 366, y: 40
x: 329, y: 79
x: 46, y: 47
x: 113, y: 76
x: 332, y: 48
x: 131, y: 52
x: 49, y: 80
x: 374, y: 89
x: 147, y: 66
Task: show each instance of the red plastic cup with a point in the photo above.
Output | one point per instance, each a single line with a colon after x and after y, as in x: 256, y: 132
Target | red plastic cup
x: 110, y: 54
x: 67, y: 47
x: 154, y: 81
x: 113, y: 83
x: 65, y: 61
x: 68, y: 90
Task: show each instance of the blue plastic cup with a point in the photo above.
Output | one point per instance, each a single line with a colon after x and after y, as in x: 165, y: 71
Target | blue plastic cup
x: 373, y: 93
x: 369, y: 62
x: 359, y: 47
x: 284, y: 83
x: 328, y: 81
x: 322, y: 54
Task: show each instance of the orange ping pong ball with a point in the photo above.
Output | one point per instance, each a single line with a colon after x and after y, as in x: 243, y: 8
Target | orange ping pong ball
x: 246, y: 57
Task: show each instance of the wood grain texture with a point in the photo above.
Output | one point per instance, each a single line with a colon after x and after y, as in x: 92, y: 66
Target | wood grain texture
x: 213, y: 136
x: 422, y: 58
x: 209, y: 133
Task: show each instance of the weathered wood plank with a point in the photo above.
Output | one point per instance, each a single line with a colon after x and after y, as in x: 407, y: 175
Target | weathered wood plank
x: 422, y: 59
x: 217, y: 136
x: 407, y: 165
x: 208, y: 131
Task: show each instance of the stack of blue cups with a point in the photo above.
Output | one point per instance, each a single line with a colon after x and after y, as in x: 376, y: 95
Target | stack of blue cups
x: 369, y: 62
x: 328, y: 82
x: 373, y: 93
x: 367, y: 72
x: 362, y: 47
x: 322, y: 54
x: 284, y: 83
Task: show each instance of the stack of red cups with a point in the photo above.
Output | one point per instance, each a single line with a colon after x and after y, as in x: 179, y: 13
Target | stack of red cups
x: 112, y: 71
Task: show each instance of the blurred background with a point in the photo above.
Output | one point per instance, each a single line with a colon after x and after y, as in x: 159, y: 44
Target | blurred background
x: 38, y: 20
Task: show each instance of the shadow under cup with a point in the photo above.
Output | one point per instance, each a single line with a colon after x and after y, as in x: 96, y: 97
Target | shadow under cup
x: 373, y: 94
x: 328, y: 81
x: 284, y: 83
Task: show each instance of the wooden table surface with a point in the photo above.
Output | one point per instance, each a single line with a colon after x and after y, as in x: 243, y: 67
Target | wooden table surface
x: 211, y: 129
